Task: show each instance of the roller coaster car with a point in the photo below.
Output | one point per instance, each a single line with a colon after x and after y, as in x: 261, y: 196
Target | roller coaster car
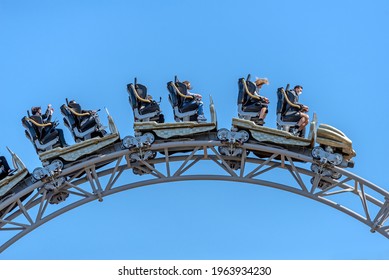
x: 18, y: 181
x: 86, y: 147
x: 178, y: 129
x: 334, y: 146
x: 73, y: 152
x: 186, y: 120
x: 249, y: 104
x: 333, y: 143
x: 275, y: 136
x: 82, y: 125
x: 143, y: 107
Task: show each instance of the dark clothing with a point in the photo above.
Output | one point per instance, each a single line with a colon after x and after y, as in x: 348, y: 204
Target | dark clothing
x: 292, y: 113
x: 4, y: 167
x: 90, y: 120
x: 191, y: 104
x: 83, y: 122
x: 254, y: 104
x: 294, y: 98
x: 77, y: 108
x: 61, y: 137
x: 46, y: 117
x: 44, y: 131
x: 292, y: 116
x: 148, y: 107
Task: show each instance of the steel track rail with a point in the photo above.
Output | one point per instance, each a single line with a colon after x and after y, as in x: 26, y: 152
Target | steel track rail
x: 85, y: 183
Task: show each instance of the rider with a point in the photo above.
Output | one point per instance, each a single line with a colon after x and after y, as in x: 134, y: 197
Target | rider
x: 88, y: 118
x: 196, y: 99
x: 263, y: 102
x: 5, y: 170
x: 46, y: 119
x: 144, y: 103
x: 298, y: 112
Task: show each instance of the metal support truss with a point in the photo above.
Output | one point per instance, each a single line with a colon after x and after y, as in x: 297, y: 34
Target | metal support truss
x: 98, y: 177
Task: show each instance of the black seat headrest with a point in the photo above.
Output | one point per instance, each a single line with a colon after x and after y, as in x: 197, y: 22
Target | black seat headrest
x: 76, y: 107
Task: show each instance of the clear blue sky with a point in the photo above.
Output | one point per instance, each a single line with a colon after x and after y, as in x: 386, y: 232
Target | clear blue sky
x: 90, y: 50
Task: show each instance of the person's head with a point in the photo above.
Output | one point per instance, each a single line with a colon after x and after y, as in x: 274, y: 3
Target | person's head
x: 188, y: 85
x: 259, y: 82
x: 35, y: 110
x: 72, y: 103
x: 298, y: 89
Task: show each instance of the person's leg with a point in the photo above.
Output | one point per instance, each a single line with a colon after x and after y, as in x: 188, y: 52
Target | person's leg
x: 4, y: 162
x: 292, y: 117
x: 5, y: 169
x: 304, y: 120
x: 263, y: 113
x: 99, y: 125
x: 96, y: 118
x: 3, y: 173
x: 62, y: 138
x: 200, y: 110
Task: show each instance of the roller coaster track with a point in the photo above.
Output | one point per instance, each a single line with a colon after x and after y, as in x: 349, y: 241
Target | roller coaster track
x: 100, y: 176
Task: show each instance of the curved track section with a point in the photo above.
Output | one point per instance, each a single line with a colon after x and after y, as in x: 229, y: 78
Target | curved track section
x: 175, y: 161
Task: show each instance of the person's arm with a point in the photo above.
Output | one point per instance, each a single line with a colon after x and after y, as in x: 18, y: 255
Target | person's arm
x: 88, y: 112
x: 46, y: 117
x: 195, y: 95
x: 265, y: 99
x: 291, y: 100
x: 303, y: 108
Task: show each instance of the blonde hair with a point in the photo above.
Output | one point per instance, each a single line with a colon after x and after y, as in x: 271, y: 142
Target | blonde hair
x: 261, y: 81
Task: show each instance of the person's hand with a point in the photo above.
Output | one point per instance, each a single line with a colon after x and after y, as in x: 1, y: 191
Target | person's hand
x: 197, y: 97
x: 266, y: 100
x: 50, y: 109
x: 304, y: 108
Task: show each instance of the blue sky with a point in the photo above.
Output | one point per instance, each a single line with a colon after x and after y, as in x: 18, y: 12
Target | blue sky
x: 90, y: 50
